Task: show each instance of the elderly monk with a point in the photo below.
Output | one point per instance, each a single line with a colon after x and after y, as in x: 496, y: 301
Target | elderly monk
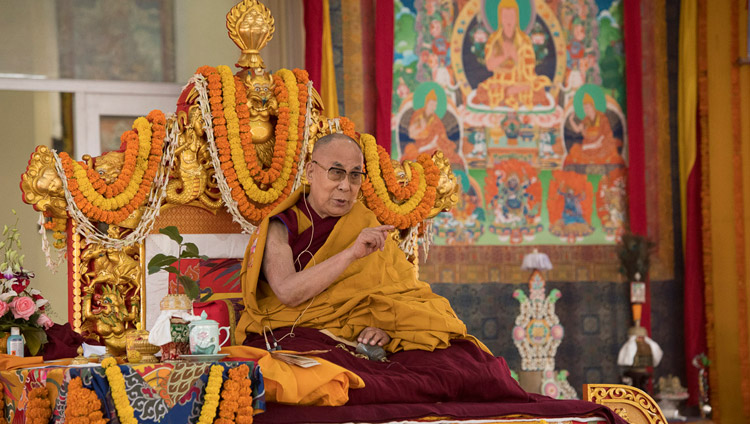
x: 320, y: 273
x: 329, y: 264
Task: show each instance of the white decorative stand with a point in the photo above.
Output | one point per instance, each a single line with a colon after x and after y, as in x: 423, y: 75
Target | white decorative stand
x: 538, y: 333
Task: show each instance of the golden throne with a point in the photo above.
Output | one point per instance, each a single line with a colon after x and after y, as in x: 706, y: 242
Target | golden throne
x: 231, y: 152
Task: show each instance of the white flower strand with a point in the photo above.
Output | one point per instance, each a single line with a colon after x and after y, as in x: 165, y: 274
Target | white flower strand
x: 52, y: 264
x: 200, y: 85
x: 158, y: 192
x: 306, y: 140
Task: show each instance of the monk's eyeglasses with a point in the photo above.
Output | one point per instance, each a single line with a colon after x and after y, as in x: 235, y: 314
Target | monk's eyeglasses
x: 338, y: 174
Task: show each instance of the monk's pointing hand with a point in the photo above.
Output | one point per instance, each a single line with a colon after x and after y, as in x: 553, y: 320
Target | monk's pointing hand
x: 370, y: 240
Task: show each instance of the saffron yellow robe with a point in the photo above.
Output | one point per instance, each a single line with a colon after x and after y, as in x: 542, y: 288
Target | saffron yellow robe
x: 380, y: 290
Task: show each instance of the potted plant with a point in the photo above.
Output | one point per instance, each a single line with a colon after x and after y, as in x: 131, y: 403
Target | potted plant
x: 186, y: 250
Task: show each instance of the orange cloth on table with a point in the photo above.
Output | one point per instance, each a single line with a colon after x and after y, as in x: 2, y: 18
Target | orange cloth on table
x: 380, y: 290
x: 12, y: 362
x: 326, y: 384
x: 599, y: 146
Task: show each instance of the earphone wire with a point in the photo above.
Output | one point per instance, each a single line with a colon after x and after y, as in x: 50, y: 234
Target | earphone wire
x: 296, y: 261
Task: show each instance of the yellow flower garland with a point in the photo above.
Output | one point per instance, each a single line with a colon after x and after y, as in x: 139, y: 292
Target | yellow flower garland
x: 141, y: 164
x: 211, y: 399
x: 233, y: 134
x: 374, y: 172
x: 119, y: 394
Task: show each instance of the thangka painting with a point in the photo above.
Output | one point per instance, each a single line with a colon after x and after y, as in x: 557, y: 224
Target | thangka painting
x: 526, y: 98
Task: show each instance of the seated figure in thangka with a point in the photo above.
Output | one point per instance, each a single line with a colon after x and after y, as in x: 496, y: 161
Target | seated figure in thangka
x: 510, y: 57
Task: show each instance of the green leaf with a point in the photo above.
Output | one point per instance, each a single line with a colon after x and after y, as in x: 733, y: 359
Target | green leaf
x: 191, y: 248
x: 5, y: 229
x: 172, y: 232
x: 206, y: 294
x: 35, y: 339
x: 159, y: 261
x: 172, y: 269
x: 191, y: 287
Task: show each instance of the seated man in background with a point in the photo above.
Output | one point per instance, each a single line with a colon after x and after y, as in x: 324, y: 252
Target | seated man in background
x: 321, y: 273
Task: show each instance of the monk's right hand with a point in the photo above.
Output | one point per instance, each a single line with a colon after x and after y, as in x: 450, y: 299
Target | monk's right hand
x: 370, y: 240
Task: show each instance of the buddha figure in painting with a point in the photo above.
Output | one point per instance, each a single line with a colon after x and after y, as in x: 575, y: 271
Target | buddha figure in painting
x: 510, y: 57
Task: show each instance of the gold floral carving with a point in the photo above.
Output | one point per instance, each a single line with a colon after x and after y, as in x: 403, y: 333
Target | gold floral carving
x: 447, y: 189
x: 630, y: 403
x: 107, y: 290
x: 251, y: 27
x: 192, y: 173
x: 41, y: 186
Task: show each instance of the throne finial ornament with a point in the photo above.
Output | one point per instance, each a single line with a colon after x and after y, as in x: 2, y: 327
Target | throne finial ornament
x: 251, y: 27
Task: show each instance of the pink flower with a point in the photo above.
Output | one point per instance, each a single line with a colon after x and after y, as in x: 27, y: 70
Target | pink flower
x: 3, y: 308
x: 44, y: 321
x: 22, y: 307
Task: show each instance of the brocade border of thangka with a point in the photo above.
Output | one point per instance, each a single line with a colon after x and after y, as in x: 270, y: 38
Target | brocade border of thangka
x: 502, y: 264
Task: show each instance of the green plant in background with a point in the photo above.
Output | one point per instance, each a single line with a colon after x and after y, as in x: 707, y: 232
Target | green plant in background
x: 186, y: 250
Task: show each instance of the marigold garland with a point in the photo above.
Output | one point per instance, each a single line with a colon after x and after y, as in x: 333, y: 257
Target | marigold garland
x: 211, y: 398
x: 82, y: 405
x: 113, y: 203
x: 375, y: 189
x: 236, y: 404
x: 119, y: 394
x: 256, y: 191
x: 39, y: 410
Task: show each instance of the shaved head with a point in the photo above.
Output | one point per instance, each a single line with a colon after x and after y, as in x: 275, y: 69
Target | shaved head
x: 324, y: 141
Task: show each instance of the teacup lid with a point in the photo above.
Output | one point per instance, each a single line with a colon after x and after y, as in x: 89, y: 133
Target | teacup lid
x: 204, y: 320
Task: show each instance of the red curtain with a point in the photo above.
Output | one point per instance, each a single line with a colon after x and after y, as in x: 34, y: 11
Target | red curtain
x: 314, y: 40
x: 383, y: 71
x: 637, y: 163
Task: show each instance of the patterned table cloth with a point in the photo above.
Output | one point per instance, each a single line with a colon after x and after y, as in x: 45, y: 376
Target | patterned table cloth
x: 166, y: 393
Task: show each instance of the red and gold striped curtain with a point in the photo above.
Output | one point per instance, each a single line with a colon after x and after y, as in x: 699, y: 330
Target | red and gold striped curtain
x: 352, y: 72
x: 715, y: 168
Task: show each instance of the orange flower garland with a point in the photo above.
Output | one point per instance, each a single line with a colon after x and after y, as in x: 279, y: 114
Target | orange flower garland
x: 245, y: 398
x: 83, y: 405
x: 58, y: 225
x: 247, y: 181
x: 378, y: 199
x: 39, y: 410
x: 389, y: 175
x: 115, y: 202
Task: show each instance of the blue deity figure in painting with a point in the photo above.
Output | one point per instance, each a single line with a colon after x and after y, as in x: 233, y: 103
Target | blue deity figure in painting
x: 572, y: 211
x: 515, y: 199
